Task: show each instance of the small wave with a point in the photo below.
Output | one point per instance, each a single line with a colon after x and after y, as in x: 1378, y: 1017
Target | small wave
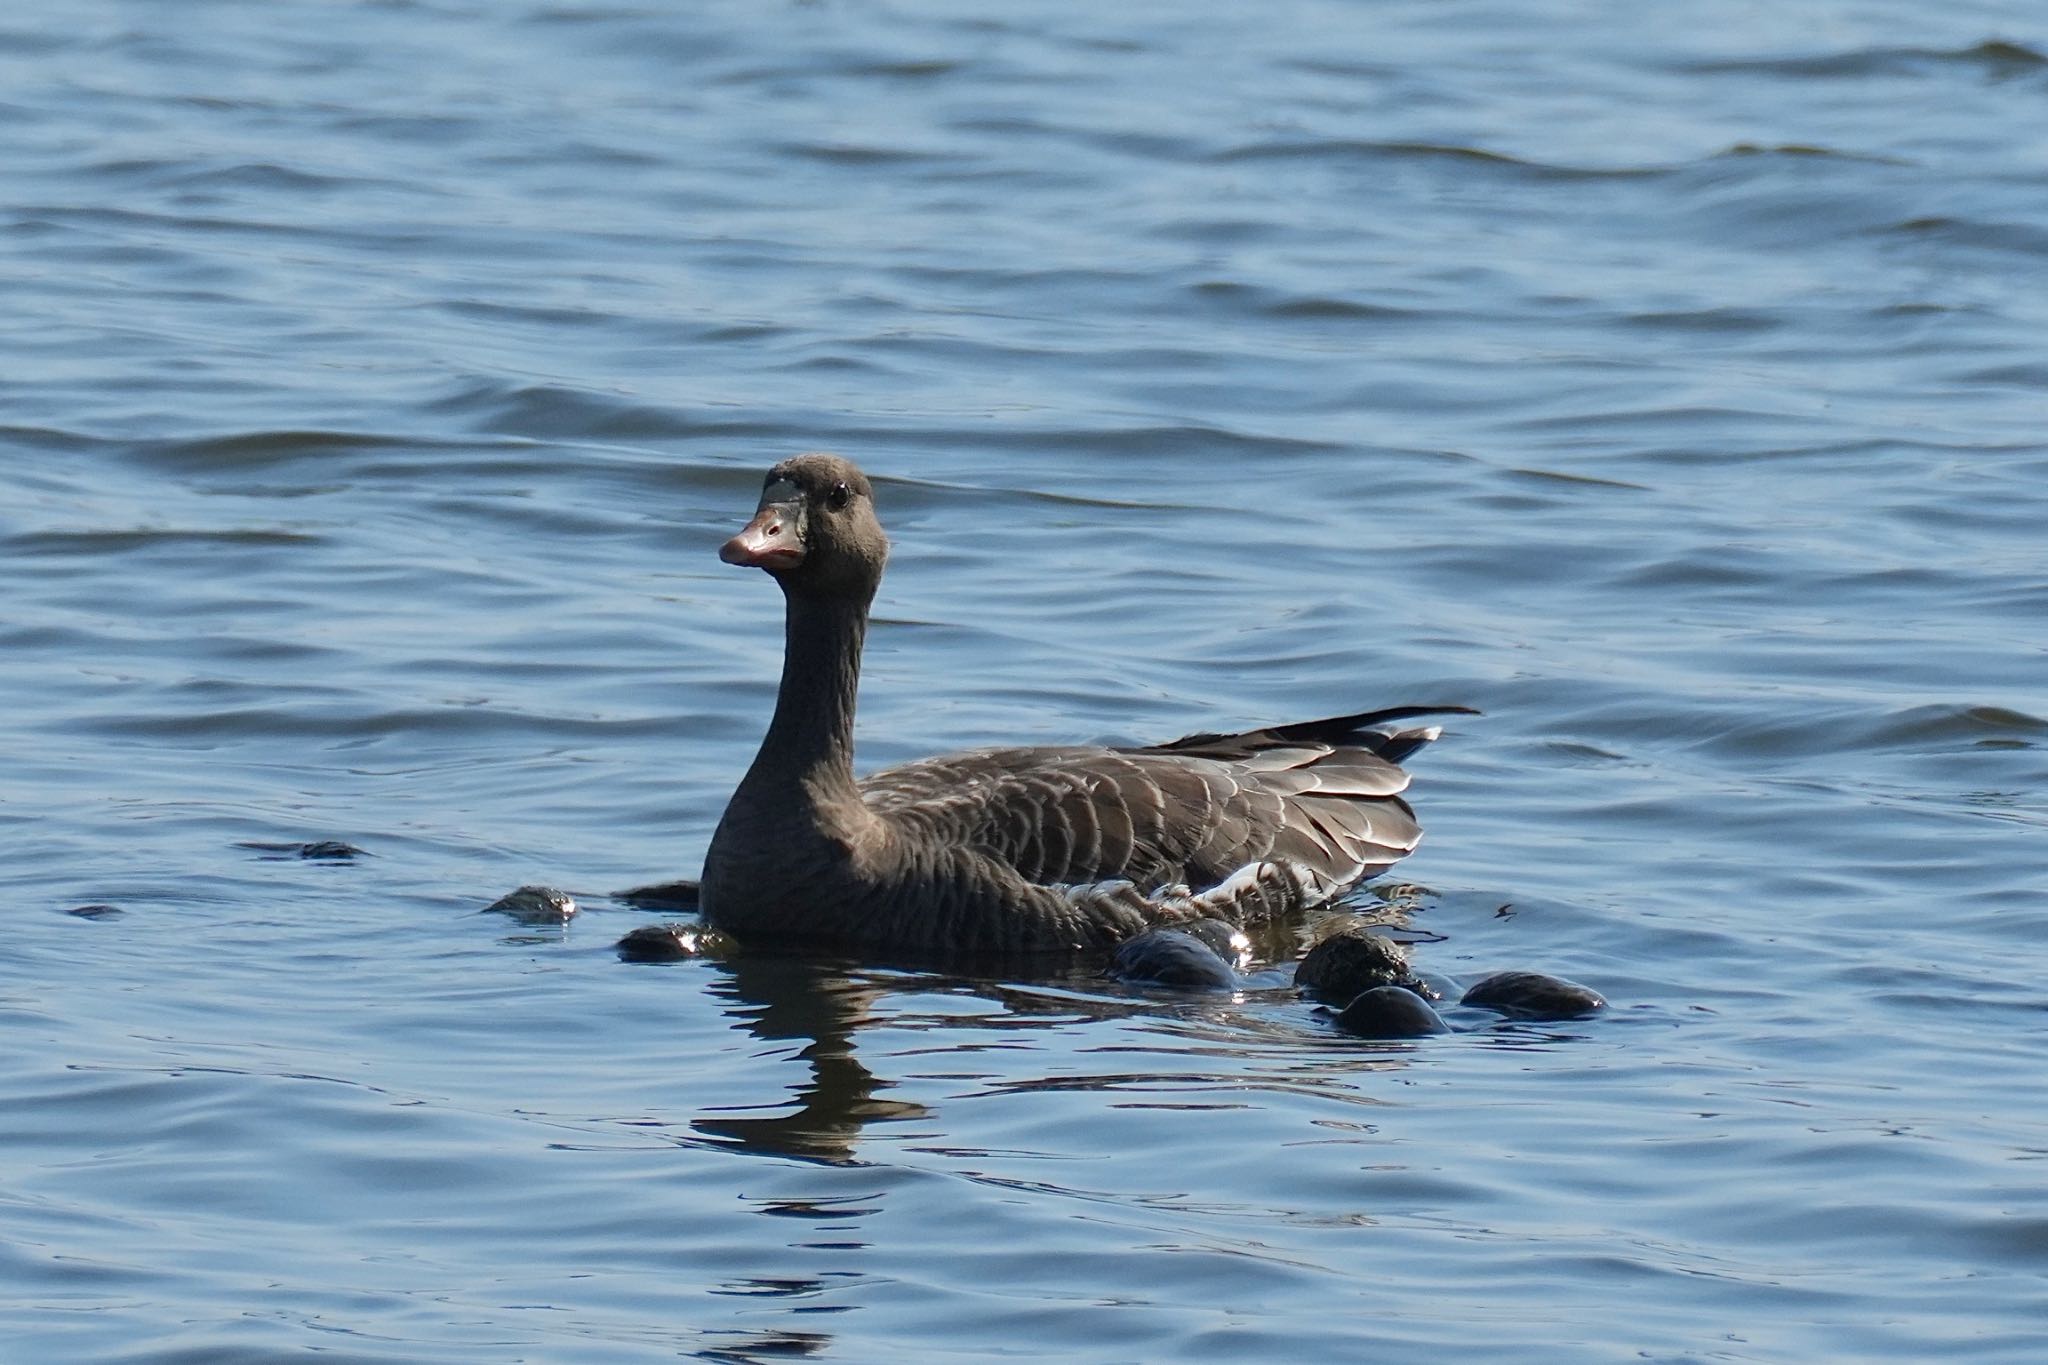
x: 595, y: 16
x: 2029, y: 375
x: 357, y: 728
x: 2024, y: 238
x: 1354, y: 149
x: 49, y: 438
x: 1801, y: 151
x: 558, y: 411
x: 244, y: 450
x: 486, y: 311
x: 1345, y: 69
x: 130, y: 220
x: 851, y: 154
x: 1697, y: 417
x: 1950, y: 725
x: 1582, y: 755
x: 1994, y: 57
x: 105, y: 542
x: 257, y: 175
x: 908, y: 70
x: 1816, y: 729
x: 1745, y: 321
x: 1191, y: 439
x: 1566, y: 477
x: 1273, y: 303
x: 1822, y: 729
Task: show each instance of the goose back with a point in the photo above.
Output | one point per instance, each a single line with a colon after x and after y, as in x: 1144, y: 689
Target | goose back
x: 1320, y: 801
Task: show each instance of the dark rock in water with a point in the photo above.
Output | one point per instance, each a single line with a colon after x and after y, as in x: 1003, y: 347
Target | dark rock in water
x: 1172, y: 957
x: 1229, y: 941
x: 1532, y: 995
x: 320, y: 850
x: 669, y: 943
x: 1431, y: 986
x: 96, y: 911
x: 535, y: 905
x: 1390, y: 1012
x: 1349, y: 962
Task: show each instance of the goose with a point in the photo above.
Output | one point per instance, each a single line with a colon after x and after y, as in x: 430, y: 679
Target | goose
x: 1022, y: 850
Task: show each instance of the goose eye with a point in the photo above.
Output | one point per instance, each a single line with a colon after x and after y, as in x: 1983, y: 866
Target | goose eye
x: 838, y: 497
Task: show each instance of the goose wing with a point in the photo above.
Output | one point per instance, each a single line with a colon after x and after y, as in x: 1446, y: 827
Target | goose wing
x: 1316, y: 806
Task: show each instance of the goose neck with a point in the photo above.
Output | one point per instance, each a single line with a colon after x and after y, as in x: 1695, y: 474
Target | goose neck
x: 811, y: 737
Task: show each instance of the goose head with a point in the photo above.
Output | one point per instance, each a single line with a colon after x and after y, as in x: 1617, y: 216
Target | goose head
x: 815, y: 530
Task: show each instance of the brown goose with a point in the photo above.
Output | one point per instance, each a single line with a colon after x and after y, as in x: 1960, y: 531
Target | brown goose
x: 1015, y: 850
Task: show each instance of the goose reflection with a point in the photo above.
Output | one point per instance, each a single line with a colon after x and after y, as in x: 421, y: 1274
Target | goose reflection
x: 825, y: 1003
x: 822, y: 1005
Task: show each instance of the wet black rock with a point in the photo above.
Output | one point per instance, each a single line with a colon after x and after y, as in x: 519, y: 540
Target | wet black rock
x: 670, y: 943
x: 535, y: 905
x: 1431, y: 986
x: 1349, y: 962
x: 1532, y: 995
x: 1390, y: 1012
x: 1229, y: 941
x: 1172, y: 957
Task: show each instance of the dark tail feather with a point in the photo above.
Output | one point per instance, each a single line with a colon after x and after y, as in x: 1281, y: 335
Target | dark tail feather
x: 1399, y: 744
x: 1338, y: 729
x: 1354, y: 729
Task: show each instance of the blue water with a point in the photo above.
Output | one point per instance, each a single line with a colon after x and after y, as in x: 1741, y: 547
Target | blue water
x: 377, y: 381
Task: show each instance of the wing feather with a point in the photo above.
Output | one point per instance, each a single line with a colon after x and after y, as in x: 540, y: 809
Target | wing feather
x: 1256, y: 822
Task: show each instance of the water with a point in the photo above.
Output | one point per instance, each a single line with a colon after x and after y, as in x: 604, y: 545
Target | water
x: 376, y: 382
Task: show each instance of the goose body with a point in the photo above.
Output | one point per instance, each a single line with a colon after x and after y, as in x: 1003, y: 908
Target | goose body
x: 1016, y: 850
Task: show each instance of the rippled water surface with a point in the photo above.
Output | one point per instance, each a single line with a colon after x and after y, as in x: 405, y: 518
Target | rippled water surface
x: 377, y: 380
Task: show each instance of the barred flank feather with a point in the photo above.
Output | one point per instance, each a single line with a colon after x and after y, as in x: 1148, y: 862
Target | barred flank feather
x: 1288, y: 820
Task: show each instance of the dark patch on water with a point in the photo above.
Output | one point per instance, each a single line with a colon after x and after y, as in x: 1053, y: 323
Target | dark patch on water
x: 96, y: 912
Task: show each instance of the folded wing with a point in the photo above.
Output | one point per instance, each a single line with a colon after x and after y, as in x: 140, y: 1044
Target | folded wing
x: 1262, y: 821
